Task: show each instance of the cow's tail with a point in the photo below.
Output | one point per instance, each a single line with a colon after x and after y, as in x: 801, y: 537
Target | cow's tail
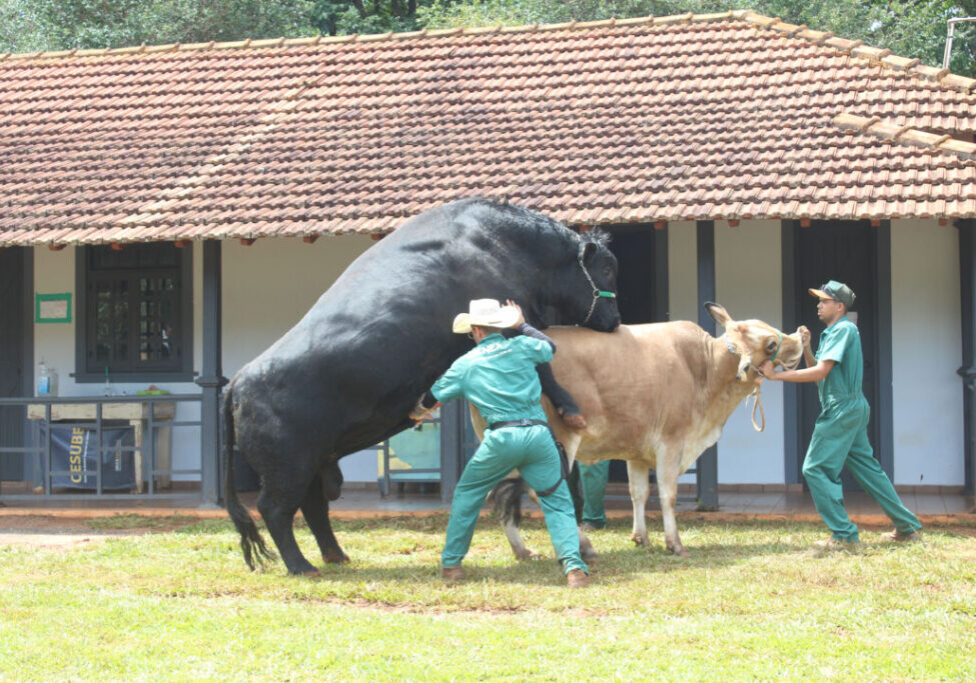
x: 252, y: 544
x: 506, y: 503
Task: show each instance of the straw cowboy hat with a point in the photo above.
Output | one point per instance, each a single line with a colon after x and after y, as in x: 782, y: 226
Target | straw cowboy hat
x: 485, y: 313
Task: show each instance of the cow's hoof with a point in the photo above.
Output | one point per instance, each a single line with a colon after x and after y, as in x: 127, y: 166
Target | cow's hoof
x: 336, y: 557
x: 680, y: 551
x: 312, y: 573
x: 639, y: 540
x: 590, y: 557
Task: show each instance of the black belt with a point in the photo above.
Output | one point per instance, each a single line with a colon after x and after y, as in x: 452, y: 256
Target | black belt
x: 517, y: 423
x: 563, y: 460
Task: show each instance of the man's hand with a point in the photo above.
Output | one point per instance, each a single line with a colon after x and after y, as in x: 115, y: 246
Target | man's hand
x: 768, y: 370
x: 521, y: 318
x: 419, y: 412
x: 804, y: 335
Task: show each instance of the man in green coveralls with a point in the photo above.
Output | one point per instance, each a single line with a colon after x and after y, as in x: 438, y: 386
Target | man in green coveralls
x: 499, y: 377
x: 840, y: 436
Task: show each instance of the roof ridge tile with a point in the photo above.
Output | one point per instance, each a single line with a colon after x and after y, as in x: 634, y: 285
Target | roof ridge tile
x: 888, y: 130
x: 855, y: 48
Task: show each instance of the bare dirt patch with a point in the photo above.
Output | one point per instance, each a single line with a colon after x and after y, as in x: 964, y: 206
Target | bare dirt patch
x: 71, y: 530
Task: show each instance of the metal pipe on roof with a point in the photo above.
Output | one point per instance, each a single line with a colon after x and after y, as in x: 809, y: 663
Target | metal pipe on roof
x: 948, y: 45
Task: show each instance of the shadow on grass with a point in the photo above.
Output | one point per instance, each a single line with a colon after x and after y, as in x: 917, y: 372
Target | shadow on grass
x: 617, y: 560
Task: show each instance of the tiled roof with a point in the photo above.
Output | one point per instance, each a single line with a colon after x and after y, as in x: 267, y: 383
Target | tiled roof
x: 723, y: 116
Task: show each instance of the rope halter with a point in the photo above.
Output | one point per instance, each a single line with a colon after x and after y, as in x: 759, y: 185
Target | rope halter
x: 597, y: 292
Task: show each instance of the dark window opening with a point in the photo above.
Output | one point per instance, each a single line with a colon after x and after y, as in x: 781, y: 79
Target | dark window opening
x: 137, y: 312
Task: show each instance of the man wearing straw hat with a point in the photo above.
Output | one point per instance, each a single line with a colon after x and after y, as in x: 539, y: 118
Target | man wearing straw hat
x: 499, y: 377
x: 840, y: 436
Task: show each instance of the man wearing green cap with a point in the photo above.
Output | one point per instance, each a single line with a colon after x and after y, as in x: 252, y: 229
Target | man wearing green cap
x: 499, y: 377
x: 840, y: 436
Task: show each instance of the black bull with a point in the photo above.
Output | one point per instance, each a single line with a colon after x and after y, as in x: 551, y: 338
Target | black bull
x: 349, y: 373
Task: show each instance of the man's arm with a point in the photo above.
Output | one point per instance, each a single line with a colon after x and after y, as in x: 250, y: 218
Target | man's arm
x: 812, y: 374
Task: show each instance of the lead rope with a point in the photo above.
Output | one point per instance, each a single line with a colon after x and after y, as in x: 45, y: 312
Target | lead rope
x: 757, y: 403
x: 755, y: 395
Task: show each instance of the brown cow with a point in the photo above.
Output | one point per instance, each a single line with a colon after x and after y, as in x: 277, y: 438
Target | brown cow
x: 654, y: 395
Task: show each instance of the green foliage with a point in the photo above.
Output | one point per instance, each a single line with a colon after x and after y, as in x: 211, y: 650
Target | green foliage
x: 68, y: 24
x: 909, y: 28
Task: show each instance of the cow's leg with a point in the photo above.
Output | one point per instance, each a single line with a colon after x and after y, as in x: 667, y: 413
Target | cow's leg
x: 637, y: 476
x: 506, y: 503
x: 279, y: 519
x: 667, y: 487
x: 315, y: 508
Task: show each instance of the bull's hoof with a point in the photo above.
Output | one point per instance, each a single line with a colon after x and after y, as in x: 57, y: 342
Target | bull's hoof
x: 590, y: 557
x: 336, y: 557
x: 526, y: 554
x: 312, y: 574
x: 679, y: 551
x: 639, y: 541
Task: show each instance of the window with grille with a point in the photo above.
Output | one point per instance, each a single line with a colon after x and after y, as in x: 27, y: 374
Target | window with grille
x: 137, y: 312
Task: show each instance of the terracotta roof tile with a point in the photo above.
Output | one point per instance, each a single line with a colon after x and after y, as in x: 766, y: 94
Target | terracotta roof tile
x: 650, y: 119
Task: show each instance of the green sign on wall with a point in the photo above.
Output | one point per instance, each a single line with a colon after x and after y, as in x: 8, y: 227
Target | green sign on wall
x: 52, y: 308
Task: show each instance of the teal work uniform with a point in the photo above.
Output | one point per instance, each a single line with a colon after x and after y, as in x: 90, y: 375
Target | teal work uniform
x: 593, y: 481
x: 840, y: 438
x: 498, y: 376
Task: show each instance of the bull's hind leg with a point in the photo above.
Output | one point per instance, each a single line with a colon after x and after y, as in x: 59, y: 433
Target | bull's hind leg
x: 506, y: 503
x: 279, y: 520
x: 315, y: 509
x: 637, y: 477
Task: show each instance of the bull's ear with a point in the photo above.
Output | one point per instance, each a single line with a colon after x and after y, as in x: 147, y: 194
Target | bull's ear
x: 718, y: 313
x: 587, y: 249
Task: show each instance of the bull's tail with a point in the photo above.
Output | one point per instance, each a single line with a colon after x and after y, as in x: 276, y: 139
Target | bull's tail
x: 251, y: 542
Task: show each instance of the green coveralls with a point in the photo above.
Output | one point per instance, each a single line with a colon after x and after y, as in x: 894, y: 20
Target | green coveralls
x: 593, y: 480
x: 840, y: 438
x: 498, y: 376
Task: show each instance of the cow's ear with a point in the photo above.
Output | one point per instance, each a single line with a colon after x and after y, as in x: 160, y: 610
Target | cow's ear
x: 719, y: 314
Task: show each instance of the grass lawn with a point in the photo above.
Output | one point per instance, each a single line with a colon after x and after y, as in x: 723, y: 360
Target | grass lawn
x: 749, y: 604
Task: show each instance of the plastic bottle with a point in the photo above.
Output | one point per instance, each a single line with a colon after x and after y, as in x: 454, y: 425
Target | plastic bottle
x: 52, y: 377
x: 109, y: 391
x: 43, y: 380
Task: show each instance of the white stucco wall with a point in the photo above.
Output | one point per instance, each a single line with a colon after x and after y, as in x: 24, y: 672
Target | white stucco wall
x: 748, y: 274
x: 747, y: 283
x: 926, y: 352
x: 54, y: 272
x: 268, y: 287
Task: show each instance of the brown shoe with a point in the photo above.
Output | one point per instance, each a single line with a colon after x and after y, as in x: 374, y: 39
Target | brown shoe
x: 577, y: 578
x: 832, y: 545
x: 898, y: 537
x: 452, y: 573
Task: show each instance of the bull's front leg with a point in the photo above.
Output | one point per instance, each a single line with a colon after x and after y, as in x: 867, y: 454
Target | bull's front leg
x: 637, y: 479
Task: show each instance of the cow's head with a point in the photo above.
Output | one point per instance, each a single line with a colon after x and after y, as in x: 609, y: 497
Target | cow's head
x: 590, y: 291
x: 756, y: 342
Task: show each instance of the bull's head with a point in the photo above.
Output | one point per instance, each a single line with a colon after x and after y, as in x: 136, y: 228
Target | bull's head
x: 592, y: 288
x: 756, y: 342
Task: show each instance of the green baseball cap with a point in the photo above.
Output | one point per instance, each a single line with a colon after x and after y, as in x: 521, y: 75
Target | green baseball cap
x: 836, y: 291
